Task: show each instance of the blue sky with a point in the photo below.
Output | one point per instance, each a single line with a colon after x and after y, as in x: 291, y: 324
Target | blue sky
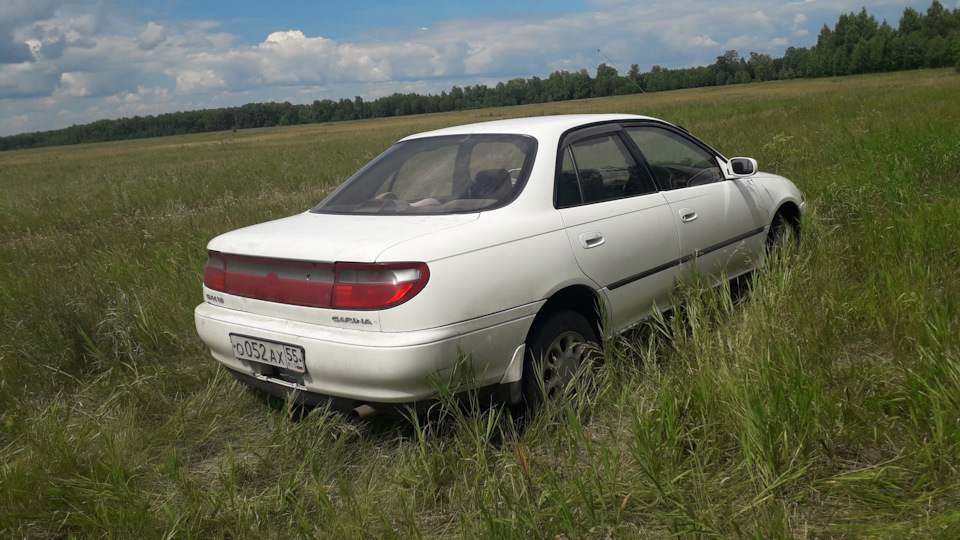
x: 66, y: 62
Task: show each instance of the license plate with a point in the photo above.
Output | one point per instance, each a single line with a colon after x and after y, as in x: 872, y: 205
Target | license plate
x: 264, y: 351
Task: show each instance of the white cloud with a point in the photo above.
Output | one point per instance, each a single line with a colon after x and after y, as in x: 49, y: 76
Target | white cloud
x: 14, y: 14
x: 761, y: 18
x: 22, y: 120
x: 25, y: 80
x: 798, y: 21
x: 74, y: 85
x: 192, y: 82
x: 703, y: 41
x: 281, y: 37
x: 152, y: 36
x: 79, y: 57
x: 739, y: 42
x: 99, y: 84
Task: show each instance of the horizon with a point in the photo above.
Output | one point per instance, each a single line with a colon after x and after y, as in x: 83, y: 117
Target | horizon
x: 68, y: 63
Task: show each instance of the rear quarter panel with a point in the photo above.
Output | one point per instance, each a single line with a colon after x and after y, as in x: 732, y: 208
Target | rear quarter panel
x: 501, y: 261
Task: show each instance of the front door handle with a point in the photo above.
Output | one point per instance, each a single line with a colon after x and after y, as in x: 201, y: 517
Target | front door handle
x: 591, y: 239
x: 687, y: 215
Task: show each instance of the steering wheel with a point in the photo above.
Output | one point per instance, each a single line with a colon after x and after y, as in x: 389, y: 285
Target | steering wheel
x: 693, y: 179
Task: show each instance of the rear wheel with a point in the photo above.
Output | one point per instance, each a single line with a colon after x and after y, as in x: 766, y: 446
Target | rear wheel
x: 556, y: 348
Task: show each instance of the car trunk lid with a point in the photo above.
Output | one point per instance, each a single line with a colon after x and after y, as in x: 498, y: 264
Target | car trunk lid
x: 332, y: 237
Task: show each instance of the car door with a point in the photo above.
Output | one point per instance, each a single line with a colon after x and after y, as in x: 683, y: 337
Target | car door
x: 619, y: 226
x: 720, y: 222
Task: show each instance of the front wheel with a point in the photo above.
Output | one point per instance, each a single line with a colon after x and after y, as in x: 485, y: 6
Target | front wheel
x: 778, y: 230
x: 556, y: 348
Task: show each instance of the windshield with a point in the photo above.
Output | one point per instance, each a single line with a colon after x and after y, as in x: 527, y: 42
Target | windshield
x: 437, y: 175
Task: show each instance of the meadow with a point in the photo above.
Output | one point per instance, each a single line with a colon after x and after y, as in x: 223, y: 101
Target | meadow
x: 824, y: 403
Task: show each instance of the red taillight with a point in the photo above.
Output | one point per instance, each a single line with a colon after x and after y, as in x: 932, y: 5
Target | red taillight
x: 297, y: 288
x: 215, y: 275
x: 338, y: 286
x: 377, y: 286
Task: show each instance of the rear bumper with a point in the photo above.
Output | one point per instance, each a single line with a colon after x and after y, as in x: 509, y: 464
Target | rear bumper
x: 509, y: 393
x: 350, y: 367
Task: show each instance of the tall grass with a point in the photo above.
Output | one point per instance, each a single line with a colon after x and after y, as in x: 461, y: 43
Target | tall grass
x: 825, y: 402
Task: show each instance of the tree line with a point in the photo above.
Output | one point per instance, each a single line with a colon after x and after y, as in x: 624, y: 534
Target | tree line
x: 856, y: 44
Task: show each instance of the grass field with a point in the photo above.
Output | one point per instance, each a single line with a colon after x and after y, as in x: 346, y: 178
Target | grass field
x: 826, y: 404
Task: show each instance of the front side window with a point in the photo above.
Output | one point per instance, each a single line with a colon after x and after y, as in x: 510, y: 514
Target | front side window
x: 437, y: 175
x: 676, y: 162
x: 599, y: 168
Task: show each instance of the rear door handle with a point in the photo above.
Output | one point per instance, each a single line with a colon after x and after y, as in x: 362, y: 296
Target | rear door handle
x: 687, y: 215
x: 591, y: 239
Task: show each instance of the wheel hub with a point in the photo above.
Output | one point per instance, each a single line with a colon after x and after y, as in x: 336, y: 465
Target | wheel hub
x: 561, y: 362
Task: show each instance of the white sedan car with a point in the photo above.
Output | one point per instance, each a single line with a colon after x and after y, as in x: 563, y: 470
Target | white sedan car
x: 508, y: 243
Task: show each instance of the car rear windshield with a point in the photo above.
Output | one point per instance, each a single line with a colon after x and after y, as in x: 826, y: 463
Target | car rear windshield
x: 437, y: 175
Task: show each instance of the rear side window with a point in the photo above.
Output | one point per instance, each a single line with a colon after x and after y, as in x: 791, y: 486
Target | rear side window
x: 599, y: 168
x: 438, y: 175
x: 676, y: 162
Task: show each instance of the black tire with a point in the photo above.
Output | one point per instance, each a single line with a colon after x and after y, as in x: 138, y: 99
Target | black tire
x: 778, y: 231
x: 556, y: 347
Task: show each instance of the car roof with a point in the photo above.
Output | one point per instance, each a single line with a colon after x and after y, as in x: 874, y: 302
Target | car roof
x: 537, y: 126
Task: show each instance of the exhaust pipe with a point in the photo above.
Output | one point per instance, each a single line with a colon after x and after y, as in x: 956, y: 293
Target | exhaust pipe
x: 364, y: 412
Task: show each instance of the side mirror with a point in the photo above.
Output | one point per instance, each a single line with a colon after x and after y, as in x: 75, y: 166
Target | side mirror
x: 743, y: 166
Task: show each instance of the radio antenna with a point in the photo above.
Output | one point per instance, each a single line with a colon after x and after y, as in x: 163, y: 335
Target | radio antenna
x: 621, y: 72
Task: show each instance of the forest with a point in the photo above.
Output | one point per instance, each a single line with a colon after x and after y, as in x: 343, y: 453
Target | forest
x: 857, y: 44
